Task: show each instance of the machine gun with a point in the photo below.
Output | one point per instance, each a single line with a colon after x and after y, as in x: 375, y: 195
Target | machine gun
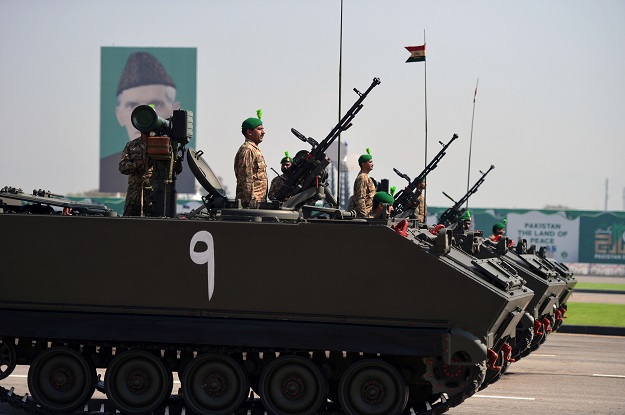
x: 408, y: 198
x: 164, y: 149
x: 450, y: 217
x: 308, y: 169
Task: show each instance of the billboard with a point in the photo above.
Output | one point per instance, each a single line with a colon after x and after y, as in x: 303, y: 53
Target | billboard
x: 131, y: 76
x: 604, y: 239
x: 554, y: 230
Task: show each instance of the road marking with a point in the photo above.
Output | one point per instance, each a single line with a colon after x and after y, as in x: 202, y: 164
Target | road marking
x: 505, y: 397
x: 544, y: 355
x: 608, y: 376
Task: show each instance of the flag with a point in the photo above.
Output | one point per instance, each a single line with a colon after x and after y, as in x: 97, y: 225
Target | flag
x: 417, y: 53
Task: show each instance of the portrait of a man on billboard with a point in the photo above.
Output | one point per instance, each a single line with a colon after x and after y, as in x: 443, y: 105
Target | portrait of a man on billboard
x: 164, y: 78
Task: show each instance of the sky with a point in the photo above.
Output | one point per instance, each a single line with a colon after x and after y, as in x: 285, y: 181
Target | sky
x: 549, y: 111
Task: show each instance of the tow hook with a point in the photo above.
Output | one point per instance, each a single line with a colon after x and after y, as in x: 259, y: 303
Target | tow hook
x: 547, y: 325
x: 507, y: 351
x: 492, y: 360
x: 537, y: 326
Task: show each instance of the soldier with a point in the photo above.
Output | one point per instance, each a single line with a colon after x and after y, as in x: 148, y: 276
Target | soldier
x: 364, y: 188
x: 279, y: 181
x: 249, y: 164
x: 380, y: 201
x: 499, y: 229
x: 464, y: 222
x: 422, y: 209
x: 133, y: 163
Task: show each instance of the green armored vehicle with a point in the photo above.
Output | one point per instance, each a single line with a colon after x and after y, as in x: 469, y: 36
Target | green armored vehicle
x: 285, y: 301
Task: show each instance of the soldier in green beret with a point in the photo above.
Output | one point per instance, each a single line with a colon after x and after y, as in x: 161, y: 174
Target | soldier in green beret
x: 499, y: 230
x: 279, y: 181
x: 364, y: 188
x: 464, y: 221
x: 249, y: 164
x: 383, y: 204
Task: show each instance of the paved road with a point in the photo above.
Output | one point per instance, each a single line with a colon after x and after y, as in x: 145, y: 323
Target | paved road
x: 568, y: 374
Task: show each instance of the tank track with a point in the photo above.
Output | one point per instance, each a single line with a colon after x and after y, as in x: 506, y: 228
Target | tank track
x: 442, y: 399
x: 175, y: 406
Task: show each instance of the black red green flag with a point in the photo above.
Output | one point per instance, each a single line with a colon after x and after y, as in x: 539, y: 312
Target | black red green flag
x: 417, y: 53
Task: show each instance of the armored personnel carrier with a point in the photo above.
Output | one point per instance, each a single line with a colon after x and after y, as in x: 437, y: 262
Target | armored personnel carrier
x: 287, y: 300
x: 170, y: 294
x: 538, y: 275
x: 218, y: 301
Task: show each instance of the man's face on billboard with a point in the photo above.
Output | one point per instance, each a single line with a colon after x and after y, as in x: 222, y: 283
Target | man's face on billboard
x: 163, y: 98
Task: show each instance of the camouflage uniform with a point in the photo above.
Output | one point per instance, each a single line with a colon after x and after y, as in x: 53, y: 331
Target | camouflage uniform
x: 276, y: 184
x: 132, y: 163
x: 362, y: 200
x: 422, y: 209
x: 251, y: 172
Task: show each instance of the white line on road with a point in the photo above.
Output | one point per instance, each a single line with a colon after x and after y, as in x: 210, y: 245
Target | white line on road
x: 544, y: 355
x: 504, y: 397
x: 17, y: 376
x: 608, y: 376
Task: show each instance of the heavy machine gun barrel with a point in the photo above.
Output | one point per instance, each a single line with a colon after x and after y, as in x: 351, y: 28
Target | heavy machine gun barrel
x: 306, y: 167
x: 450, y: 216
x: 407, y: 198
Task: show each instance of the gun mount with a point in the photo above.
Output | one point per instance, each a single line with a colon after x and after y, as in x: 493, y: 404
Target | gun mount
x: 307, y: 174
x: 449, y: 218
x: 408, y: 198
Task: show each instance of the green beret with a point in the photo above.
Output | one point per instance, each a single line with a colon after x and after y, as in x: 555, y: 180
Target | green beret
x: 499, y: 225
x: 142, y: 69
x: 252, y: 122
x: 286, y: 158
x: 465, y: 216
x: 365, y: 157
x: 384, y: 197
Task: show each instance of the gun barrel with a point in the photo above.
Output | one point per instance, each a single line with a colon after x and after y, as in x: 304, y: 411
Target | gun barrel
x: 303, y: 174
x: 406, y: 199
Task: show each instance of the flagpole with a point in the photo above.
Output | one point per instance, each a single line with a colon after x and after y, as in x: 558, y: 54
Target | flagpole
x: 471, y: 140
x: 339, y: 160
x: 425, y: 94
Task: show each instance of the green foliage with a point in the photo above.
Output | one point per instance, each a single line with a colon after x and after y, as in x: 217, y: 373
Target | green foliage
x: 595, y: 314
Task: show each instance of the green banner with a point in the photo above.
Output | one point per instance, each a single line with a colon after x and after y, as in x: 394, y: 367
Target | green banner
x: 602, y: 239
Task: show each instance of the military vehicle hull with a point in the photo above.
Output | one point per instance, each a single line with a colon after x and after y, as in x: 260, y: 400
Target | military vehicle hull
x: 265, y: 302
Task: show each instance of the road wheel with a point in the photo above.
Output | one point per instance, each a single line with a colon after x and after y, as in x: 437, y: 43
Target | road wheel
x: 7, y: 358
x: 293, y: 385
x: 137, y: 382
x: 214, y: 384
x: 60, y: 379
x: 373, y: 387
